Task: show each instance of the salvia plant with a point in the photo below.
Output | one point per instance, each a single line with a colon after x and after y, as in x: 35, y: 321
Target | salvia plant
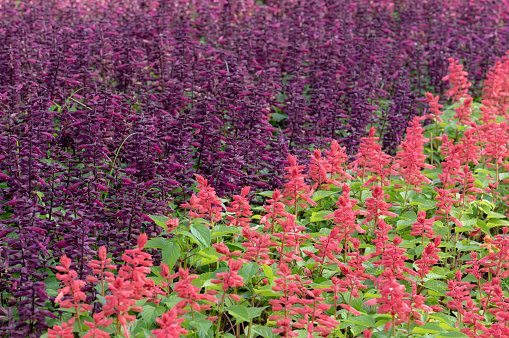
x: 338, y: 194
x: 414, y: 244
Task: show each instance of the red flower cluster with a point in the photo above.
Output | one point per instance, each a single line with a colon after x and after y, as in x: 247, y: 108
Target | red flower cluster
x: 457, y: 77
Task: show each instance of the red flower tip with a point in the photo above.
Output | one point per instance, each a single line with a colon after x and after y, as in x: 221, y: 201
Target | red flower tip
x: 66, y: 262
x: 102, y: 253
x: 142, y: 240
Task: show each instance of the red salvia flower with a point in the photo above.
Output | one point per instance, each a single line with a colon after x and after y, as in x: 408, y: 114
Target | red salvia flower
x: 206, y: 202
x: 410, y: 160
x: 392, y: 300
x: 458, y: 80
x: 372, y: 159
x: 225, y: 251
x: 376, y: 205
x: 345, y: 216
x: 495, y: 149
x: 463, y: 112
x: 291, y: 286
x: 470, y: 150
x: 429, y: 257
x: 393, y: 258
x: 99, y: 267
x: 240, y: 207
x: 257, y: 246
x: 170, y: 325
x: 435, y: 108
x: 274, y: 209
x: 231, y: 278
x: 423, y: 227
x: 459, y: 292
x: 318, y: 170
x: 337, y: 157
x: 351, y: 282
x: 189, y: 293
x: 99, y: 321
x: 296, y: 188
x: 62, y: 331
x: 73, y: 288
x: 327, y: 247
x: 172, y: 224
x: 496, y: 86
x: 290, y: 237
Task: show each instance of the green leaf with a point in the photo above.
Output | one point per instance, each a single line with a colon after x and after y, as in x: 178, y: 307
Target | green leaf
x: 148, y: 314
x: 424, y: 204
x: 193, y: 237
x: 452, y: 334
x: 318, y: 195
x: 367, y: 321
x: 255, y: 312
x: 484, y: 171
x: 266, y: 291
x: 240, y: 312
x: 203, y: 325
x: 264, y: 331
x: 202, y: 278
x: 249, y: 270
x: 449, y: 320
x: 319, y: 216
x: 267, y: 270
x: 265, y: 193
x: 437, y: 286
x: 492, y: 214
x: 52, y: 285
x: 496, y: 222
x: 484, y: 228
x: 147, y: 333
x: 170, y: 254
x: 224, y: 230
x: 279, y: 117
x: 209, y: 255
x: 428, y: 328
x: 157, y: 242
x: 159, y: 220
x: 202, y: 233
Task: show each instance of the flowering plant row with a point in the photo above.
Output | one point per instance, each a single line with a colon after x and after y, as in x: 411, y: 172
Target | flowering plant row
x: 411, y: 245
x: 108, y: 110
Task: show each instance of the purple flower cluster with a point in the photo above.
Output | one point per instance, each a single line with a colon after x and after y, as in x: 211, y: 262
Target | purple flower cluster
x: 109, y: 108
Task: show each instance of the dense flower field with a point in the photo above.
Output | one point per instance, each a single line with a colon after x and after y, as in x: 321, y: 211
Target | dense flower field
x: 241, y: 168
x: 410, y: 245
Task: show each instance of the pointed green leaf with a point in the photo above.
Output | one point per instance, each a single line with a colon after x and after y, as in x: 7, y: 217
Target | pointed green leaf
x: 202, y: 233
x: 452, y: 334
x: 249, y: 270
x: 148, y: 314
x: 157, y: 242
x: 159, y: 220
x: 367, y: 321
x: 264, y: 331
x: 170, y: 254
x: 240, y: 312
x: 279, y: 117
x: 255, y: 312
x: 428, y: 328
x: 319, y: 216
x: 203, y: 325
x: 265, y: 193
x: 224, y: 230
x: 318, y: 195
x: 436, y: 286
x: 267, y: 270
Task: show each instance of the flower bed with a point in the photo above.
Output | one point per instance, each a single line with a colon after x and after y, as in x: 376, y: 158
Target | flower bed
x: 109, y: 110
x: 411, y: 245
